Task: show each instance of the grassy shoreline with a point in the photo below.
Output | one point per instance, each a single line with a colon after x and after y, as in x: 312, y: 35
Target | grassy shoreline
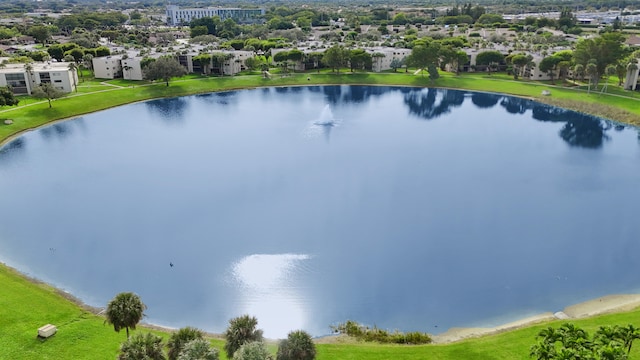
x: 26, y: 304
x: 617, y: 105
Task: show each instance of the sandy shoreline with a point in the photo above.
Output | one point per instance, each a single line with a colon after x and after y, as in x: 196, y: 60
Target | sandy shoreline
x: 603, y: 305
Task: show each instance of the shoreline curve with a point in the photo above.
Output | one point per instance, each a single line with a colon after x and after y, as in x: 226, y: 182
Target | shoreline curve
x: 607, y: 304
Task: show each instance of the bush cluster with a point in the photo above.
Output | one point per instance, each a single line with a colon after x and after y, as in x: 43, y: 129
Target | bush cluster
x: 375, y: 334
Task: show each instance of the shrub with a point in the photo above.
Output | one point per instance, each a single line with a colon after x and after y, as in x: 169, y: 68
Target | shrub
x: 179, y: 339
x: 297, y: 346
x: 255, y: 350
x: 198, y: 349
x: 365, y: 333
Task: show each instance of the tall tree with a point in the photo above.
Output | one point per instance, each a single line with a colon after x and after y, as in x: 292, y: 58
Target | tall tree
x: 164, y: 68
x: 548, y: 65
x: 489, y: 58
x: 46, y: 91
x: 73, y: 68
x: 125, y: 310
x: 145, y: 346
x: 40, y: 33
x: 336, y: 57
x: 425, y: 56
x: 241, y: 330
x: 592, y: 71
x: 601, y: 51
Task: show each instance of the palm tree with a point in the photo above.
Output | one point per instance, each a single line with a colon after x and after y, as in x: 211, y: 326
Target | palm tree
x: 543, y: 351
x: 142, y: 347
x: 592, y: 70
x: 610, y: 70
x: 125, y: 311
x: 628, y: 334
x: 578, y: 71
x: 74, y: 72
x: 378, y: 59
x: 550, y: 335
x: 241, y: 330
x: 28, y: 67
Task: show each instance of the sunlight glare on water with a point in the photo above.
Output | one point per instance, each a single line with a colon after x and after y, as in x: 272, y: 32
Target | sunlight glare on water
x: 269, y: 291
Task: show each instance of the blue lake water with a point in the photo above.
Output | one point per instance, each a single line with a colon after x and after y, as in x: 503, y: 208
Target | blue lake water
x: 410, y: 209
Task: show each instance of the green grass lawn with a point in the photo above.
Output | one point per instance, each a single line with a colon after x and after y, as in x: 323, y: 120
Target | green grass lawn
x: 94, y: 95
x: 26, y: 305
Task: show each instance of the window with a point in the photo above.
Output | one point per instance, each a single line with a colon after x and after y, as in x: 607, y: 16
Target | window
x: 57, y: 81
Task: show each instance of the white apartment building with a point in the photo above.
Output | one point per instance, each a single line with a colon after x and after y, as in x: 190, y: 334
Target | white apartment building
x: 632, y: 80
x: 177, y: 16
x: 23, y: 80
x: 107, y: 67
x: 132, y: 69
x: 381, y: 63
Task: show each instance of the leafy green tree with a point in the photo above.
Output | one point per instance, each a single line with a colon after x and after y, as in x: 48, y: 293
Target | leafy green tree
x: 56, y: 51
x: 548, y: 65
x: 360, y: 60
x: 164, y: 68
x: 336, y: 57
x: 490, y: 19
x: 567, y: 20
x: 40, y: 33
x: 489, y: 59
x: 204, y: 60
x: 198, y: 31
x: 46, y: 91
x: 125, y: 310
x: 400, y: 19
x: 592, y: 71
x: 211, y: 23
x: 102, y: 51
x: 241, y: 330
x: 395, y: 64
x: 180, y: 338
x: 255, y: 350
x: 7, y: 98
x: 425, y: 56
x: 145, y: 346
x: 601, y: 51
x: 519, y: 61
x: 297, y: 346
x: 198, y: 349
x: 252, y: 63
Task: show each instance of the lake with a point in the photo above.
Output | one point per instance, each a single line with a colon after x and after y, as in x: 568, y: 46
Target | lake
x: 404, y: 208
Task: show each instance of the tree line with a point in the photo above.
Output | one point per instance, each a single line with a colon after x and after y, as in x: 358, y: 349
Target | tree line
x: 244, y: 341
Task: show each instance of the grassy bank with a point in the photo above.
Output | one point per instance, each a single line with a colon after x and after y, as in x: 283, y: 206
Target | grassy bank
x: 96, y: 95
x: 26, y: 305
